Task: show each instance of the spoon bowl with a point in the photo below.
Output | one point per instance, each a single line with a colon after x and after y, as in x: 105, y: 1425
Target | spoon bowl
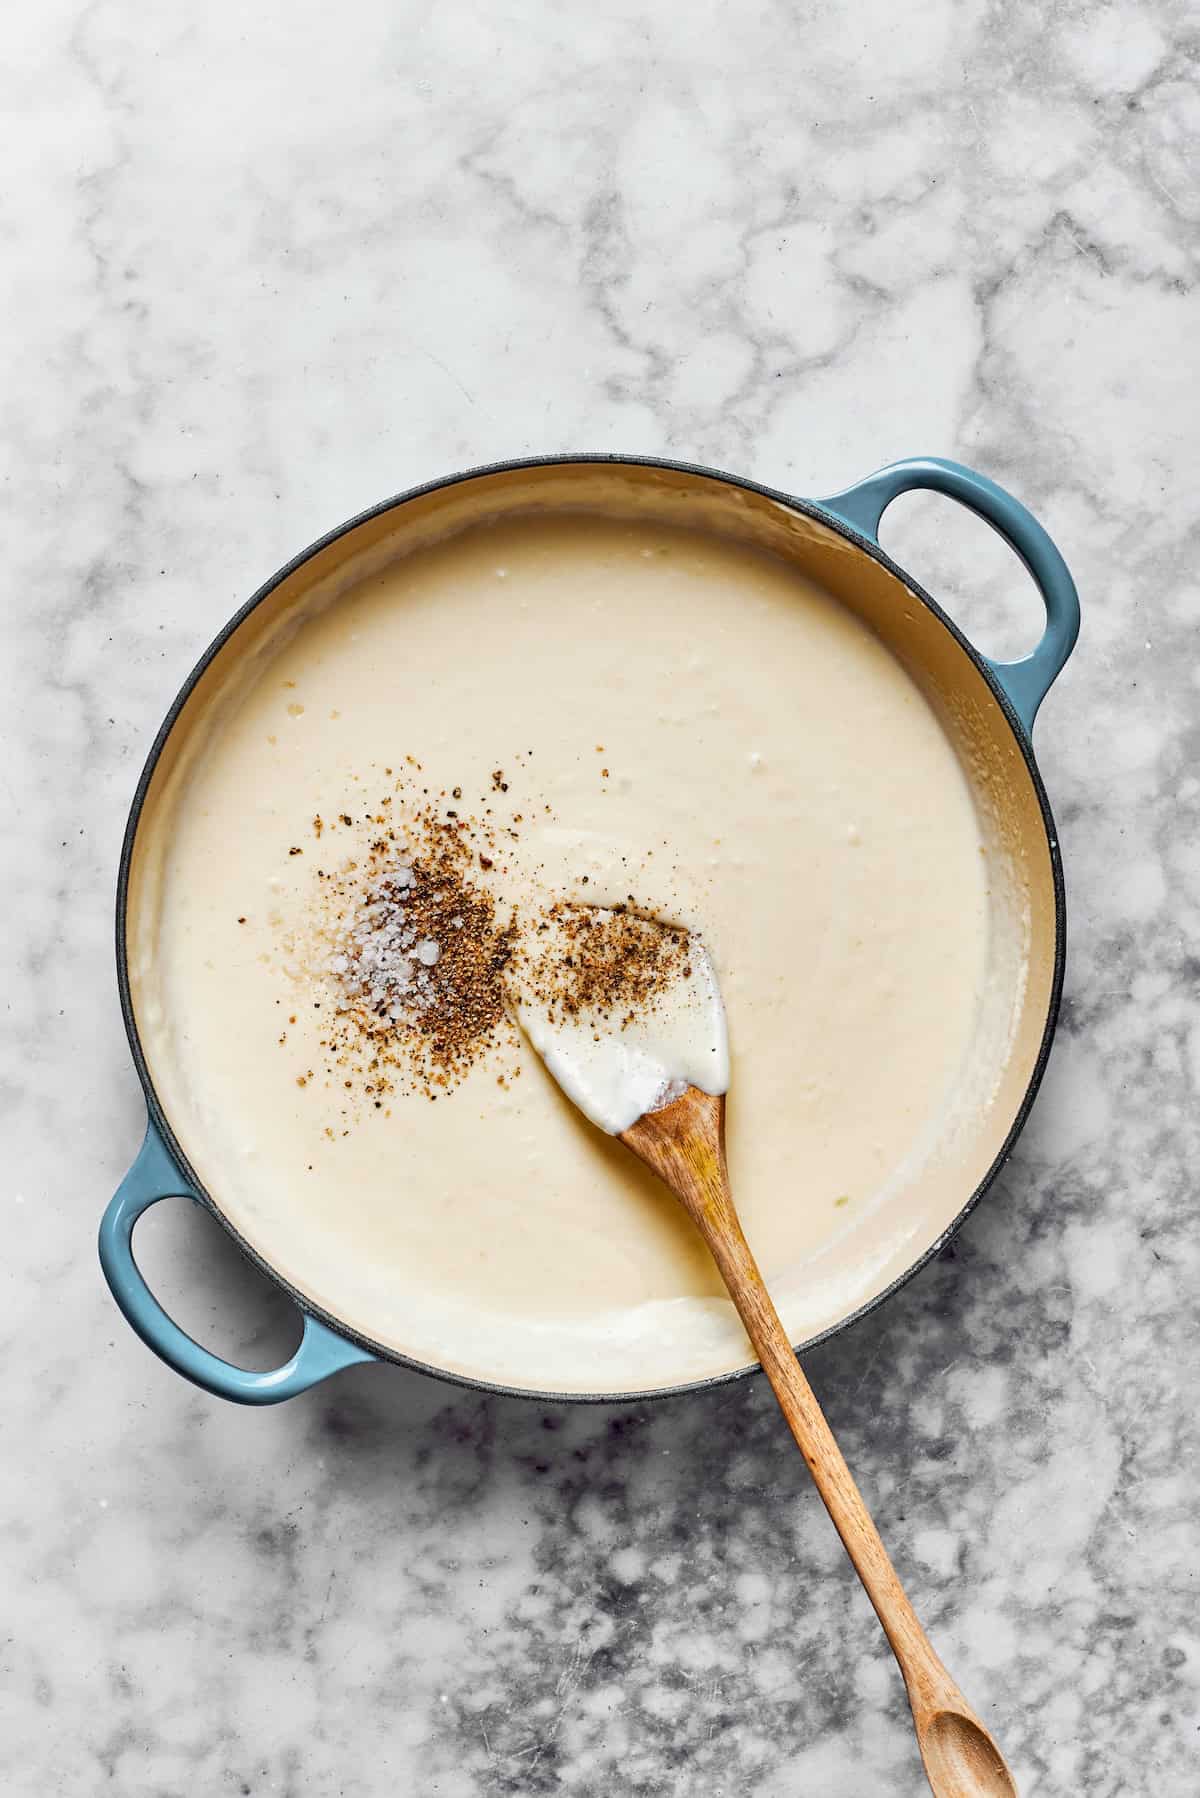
x: 961, y: 1757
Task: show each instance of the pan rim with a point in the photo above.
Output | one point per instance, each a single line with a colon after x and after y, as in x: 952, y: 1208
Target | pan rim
x: 812, y: 509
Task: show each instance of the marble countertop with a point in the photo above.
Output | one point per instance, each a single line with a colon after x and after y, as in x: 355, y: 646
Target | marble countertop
x: 266, y: 265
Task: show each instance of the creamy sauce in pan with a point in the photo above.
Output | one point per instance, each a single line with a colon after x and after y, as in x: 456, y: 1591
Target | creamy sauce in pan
x: 706, y: 729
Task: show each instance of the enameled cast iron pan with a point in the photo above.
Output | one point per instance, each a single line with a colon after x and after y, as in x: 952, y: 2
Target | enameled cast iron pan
x: 987, y: 708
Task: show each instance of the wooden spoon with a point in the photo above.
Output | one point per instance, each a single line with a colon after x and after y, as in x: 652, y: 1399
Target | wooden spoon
x: 684, y: 1144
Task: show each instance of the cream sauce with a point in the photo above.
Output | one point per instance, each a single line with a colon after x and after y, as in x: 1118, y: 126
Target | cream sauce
x: 708, y: 729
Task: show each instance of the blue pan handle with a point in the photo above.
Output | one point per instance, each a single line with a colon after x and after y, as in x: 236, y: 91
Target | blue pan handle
x: 152, y: 1177
x: 1026, y: 683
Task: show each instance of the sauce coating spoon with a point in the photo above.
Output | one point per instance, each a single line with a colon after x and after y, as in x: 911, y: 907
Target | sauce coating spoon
x: 680, y: 1136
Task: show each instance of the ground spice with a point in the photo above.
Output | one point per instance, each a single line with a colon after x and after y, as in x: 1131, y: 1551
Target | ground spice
x: 608, y: 962
x: 425, y: 962
x: 418, y: 950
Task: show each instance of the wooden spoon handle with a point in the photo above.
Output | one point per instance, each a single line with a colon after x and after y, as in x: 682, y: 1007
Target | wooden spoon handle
x: 928, y: 1682
x: 688, y: 1152
x: 961, y: 1759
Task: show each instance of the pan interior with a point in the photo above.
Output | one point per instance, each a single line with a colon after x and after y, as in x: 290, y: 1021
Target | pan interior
x: 681, y: 681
